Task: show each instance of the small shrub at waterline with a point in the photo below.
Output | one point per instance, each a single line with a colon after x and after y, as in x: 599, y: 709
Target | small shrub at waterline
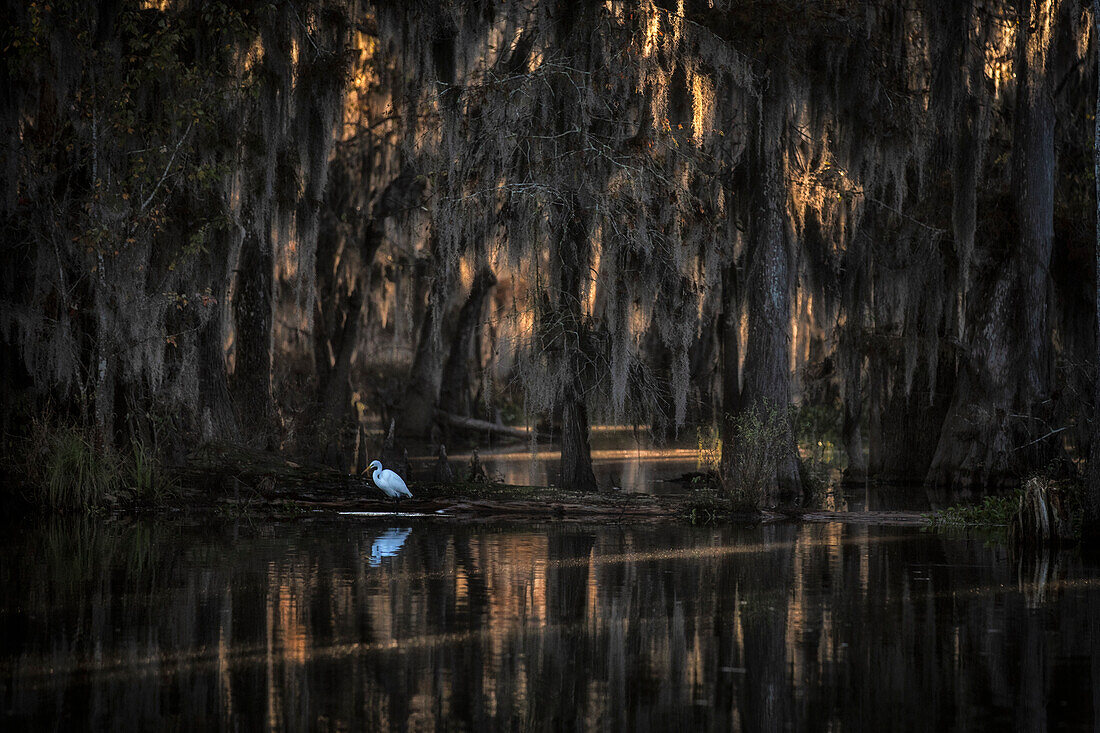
x: 708, y: 459
x: 143, y: 473
x: 993, y: 511
x: 1042, y: 515
x: 69, y: 471
x: 763, y: 439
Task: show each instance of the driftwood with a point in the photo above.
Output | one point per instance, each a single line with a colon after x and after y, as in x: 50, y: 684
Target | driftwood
x: 472, y: 423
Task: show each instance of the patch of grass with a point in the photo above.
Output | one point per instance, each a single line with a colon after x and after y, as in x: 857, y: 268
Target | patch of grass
x: 709, y: 506
x: 703, y: 515
x: 144, y: 474
x: 708, y: 459
x: 71, y: 473
x: 708, y: 449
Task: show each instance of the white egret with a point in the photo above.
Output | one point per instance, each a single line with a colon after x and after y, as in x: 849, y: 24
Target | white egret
x: 391, y: 484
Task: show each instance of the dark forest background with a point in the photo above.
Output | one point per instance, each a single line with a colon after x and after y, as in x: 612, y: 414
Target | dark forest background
x: 289, y: 224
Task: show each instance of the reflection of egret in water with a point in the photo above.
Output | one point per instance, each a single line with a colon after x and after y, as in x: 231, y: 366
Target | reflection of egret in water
x: 494, y: 625
x: 389, y: 544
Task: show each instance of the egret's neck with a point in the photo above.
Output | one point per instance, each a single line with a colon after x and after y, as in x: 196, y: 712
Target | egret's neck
x: 375, y: 474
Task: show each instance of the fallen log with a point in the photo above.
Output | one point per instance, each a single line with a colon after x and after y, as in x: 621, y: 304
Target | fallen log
x: 471, y: 423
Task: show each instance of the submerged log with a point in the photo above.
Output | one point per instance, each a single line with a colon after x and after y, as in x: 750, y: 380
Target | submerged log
x: 1042, y: 518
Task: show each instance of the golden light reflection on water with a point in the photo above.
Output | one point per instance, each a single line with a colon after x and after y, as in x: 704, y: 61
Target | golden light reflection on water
x: 631, y: 468
x: 648, y: 455
x: 501, y: 618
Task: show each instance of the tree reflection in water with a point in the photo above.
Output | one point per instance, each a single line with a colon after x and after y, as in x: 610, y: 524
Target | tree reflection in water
x: 557, y: 626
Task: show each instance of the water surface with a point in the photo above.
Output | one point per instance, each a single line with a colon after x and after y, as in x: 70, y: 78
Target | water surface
x: 374, y: 623
x: 623, y: 458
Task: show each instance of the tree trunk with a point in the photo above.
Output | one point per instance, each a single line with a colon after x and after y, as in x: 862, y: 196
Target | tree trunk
x: 570, y: 253
x: 576, y: 453
x: 910, y: 422
x: 767, y: 377
x: 422, y: 390
x: 254, y: 304
x: 339, y: 319
x: 1091, y: 523
x: 851, y: 367
x: 402, y: 193
x: 974, y: 448
x: 1033, y: 190
x: 730, y: 334
x: 483, y: 426
x: 454, y: 394
x: 418, y: 404
x: 987, y: 438
x: 217, y: 416
x: 217, y: 419
x: 338, y: 424
x: 336, y: 390
x: 572, y: 258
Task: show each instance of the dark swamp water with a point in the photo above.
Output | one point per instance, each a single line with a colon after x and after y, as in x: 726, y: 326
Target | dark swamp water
x: 348, y: 623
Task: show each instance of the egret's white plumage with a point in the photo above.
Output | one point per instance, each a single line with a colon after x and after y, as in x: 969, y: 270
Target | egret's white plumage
x: 391, y: 484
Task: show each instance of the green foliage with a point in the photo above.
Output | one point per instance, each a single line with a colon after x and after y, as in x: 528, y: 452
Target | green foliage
x: 143, y: 473
x: 701, y: 515
x: 817, y: 428
x: 708, y: 458
x: 68, y: 470
x: 992, y: 511
x: 763, y: 439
